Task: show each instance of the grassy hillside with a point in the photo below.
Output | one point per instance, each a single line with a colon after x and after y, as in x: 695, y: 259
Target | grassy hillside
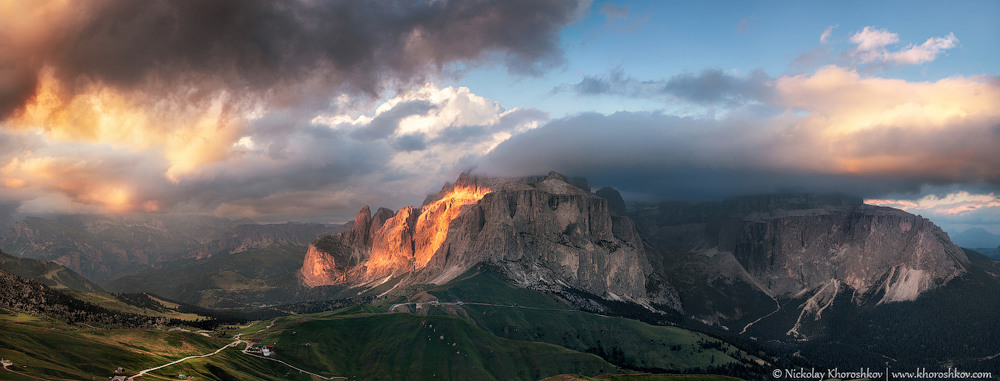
x: 231, y: 365
x: 160, y: 309
x: 519, y: 335
x: 54, y: 350
x: 491, y: 303
x: 406, y: 346
x: 47, y: 273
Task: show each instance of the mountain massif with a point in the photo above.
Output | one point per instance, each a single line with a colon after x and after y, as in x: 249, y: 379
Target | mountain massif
x: 730, y: 258
x: 547, y: 232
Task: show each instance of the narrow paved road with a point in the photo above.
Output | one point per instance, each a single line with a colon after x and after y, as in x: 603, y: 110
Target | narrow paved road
x: 249, y: 344
x: 143, y: 372
x: 417, y: 304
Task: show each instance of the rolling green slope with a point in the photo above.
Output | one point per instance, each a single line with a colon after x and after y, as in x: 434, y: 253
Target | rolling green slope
x: 130, y: 303
x: 406, y: 346
x: 491, y: 303
x: 56, y: 351
x: 231, y: 365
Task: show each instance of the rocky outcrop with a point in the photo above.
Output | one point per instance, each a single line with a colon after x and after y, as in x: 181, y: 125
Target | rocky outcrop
x: 738, y: 260
x: 543, y: 232
x: 790, y: 251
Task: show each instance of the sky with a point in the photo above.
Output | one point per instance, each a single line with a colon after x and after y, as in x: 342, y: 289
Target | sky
x: 308, y: 110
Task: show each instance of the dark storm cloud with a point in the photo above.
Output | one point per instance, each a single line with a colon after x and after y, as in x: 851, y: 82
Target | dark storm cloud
x: 656, y: 156
x: 710, y: 87
x: 614, y: 82
x: 715, y: 86
x: 410, y: 142
x: 17, y: 83
x: 312, y: 158
x: 277, y: 49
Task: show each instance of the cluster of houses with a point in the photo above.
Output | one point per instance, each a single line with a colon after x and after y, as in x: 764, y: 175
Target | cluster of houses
x: 263, y: 350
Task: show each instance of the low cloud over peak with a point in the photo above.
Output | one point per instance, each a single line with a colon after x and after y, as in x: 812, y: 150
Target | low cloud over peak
x: 833, y: 130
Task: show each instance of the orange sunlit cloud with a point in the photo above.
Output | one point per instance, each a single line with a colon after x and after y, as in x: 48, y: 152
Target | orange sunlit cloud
x: 73, y: 178
x: 955, y: 203
x: 187, y: 135
x: 850, y: 103
x: 865, y: 125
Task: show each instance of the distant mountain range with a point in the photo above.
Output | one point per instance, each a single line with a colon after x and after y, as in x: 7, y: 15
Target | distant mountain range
x: 103, y: 248
x: 976, y: 238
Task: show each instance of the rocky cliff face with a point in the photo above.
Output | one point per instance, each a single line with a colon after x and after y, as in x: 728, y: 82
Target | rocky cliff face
x: 863, y: 247
x: 542, y: 231
x: 739, y: 253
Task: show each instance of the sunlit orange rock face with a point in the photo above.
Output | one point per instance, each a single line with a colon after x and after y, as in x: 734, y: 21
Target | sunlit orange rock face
x: 318, y: 267
x: 547, y: 232
x: 432, y: 225
x: 389, y: 243
x: 410, y: 239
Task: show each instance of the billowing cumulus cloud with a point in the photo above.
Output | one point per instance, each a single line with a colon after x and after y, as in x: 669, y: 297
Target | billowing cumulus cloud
x: 185, y: 75
x: 320, y: 168
x: 273, y: 50
x: 195, y: 106
x: 832, y: 130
